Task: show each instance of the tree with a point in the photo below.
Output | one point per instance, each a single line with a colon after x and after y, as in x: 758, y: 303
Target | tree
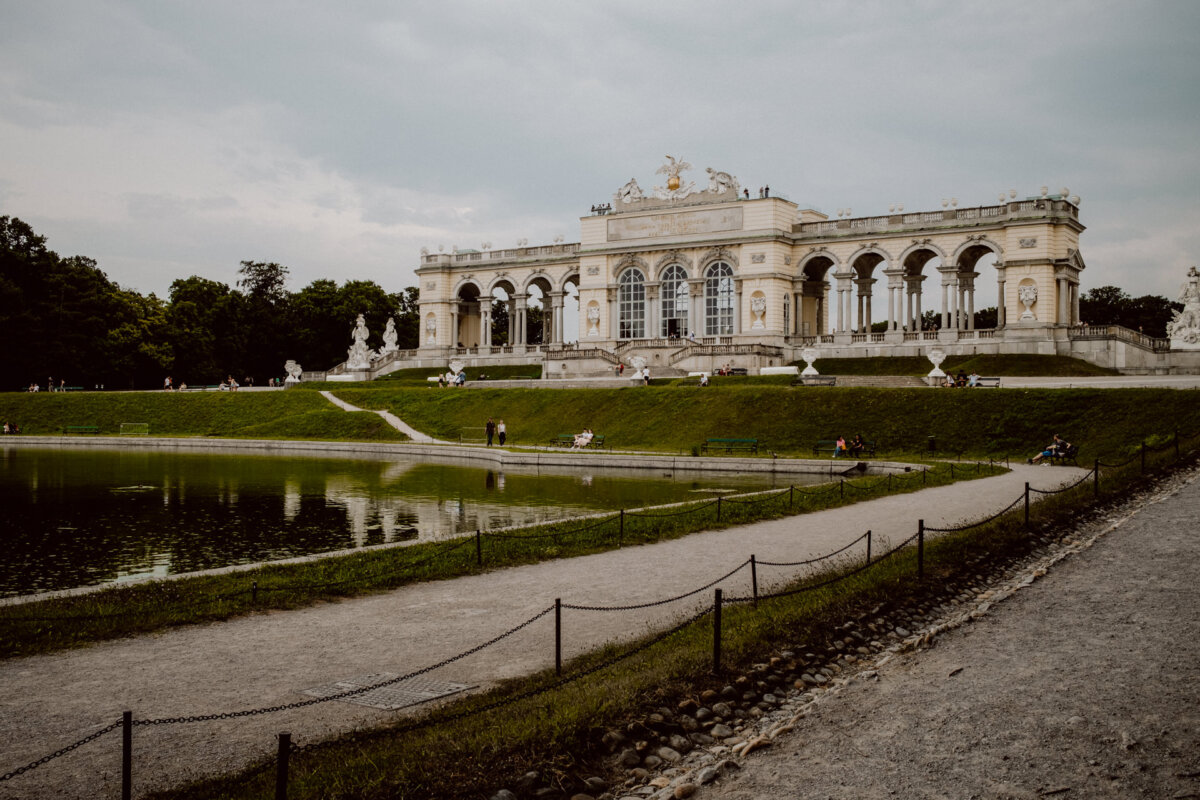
x: 1108, y: 305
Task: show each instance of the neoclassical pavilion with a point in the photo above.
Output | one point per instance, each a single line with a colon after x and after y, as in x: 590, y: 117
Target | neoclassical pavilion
x: 685, y: 277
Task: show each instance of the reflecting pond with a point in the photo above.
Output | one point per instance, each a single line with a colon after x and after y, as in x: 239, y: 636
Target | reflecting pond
x: 88, y: 517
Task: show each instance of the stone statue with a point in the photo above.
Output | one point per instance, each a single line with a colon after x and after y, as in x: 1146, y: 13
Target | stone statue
x: 431, y: 330
x: 1184, y: 328
x: 593, y: 317
x: 719, y: 182
x: 359, y: 356
x: 674, y: 190
x: 629, y: 193
x: 293, y: 371
x: 389, y: 337
x: 1027, y: 294
x: 758, y: 307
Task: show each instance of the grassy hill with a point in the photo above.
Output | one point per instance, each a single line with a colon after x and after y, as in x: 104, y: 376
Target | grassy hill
x: 788, y: 420
x: 258, y: 415
x: 1002, y: 365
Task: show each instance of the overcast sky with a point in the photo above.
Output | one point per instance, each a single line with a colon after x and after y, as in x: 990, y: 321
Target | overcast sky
x: 168, y: 139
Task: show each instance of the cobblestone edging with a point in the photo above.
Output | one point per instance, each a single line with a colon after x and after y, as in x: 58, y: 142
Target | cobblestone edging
x: 671, y: 754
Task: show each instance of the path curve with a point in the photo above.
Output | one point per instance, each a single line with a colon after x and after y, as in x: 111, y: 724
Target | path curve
x: 53, y: 700
x: 389, y: 418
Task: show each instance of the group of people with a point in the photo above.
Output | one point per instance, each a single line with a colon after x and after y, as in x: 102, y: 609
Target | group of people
x: 450, y: 379
x: 11, y: 427
x: 582, y: 440
x: 962, y: 380
x: 855, y: 447
x: 495, y: 429
x: 50, y: 387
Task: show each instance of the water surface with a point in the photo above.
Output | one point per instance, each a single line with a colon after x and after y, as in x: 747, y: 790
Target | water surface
x: 89, y: 517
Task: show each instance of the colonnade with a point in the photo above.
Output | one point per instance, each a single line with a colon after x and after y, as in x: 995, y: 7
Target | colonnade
x: 518, y: 319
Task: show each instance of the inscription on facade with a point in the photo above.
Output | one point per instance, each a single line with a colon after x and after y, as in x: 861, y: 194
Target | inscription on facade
x: 681, y: 224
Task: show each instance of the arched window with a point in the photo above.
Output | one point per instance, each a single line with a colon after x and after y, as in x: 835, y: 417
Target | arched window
x: 674, y: 292
x: 718, y: 300
x: 631, y: 305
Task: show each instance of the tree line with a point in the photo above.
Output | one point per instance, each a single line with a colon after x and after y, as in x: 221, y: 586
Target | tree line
x: 62, y: 318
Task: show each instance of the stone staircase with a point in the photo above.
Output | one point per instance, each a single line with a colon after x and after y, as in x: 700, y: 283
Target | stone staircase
x: 882, y: 381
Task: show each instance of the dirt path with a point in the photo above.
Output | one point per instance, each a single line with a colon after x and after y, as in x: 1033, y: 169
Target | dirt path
x: 51, y: 701
x: 1086, y: 684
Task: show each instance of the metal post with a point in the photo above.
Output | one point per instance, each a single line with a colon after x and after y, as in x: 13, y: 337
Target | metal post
x: 842, y: 488
x: 718, y: 508
x: 868, y: 547
x: 1026, y: 504
x: 558, y: 636
x: 127, y: 755
x: 754, y: 578
x: 253, y: 592
x: 951, y: 470
x: 716, y: 630
x: 281, y: 766
x: 479, y: 547
x: 889, y: 481
x: 924, y: 475
x: 621, y: 532
x: 1177, y: 444
x: 1096, y: 479
x: 921, y: 550
x: 1143, y: 458
x: 792, y: 489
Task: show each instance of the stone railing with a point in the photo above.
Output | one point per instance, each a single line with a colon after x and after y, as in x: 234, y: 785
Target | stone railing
x: 568, y: 354
x: 1120, y: 333
x: 508, y: 254
x: 950, y: 217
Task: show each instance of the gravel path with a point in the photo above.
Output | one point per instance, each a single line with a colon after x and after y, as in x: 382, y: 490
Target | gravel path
x: 1085, y: 684
x: 51, y: 701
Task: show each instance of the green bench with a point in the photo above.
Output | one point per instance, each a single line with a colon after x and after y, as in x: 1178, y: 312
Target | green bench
x: 89, y: 429
x: 729, y: 445
x: 830, y: 446
x: 815, y: 380
x: 568, y: 440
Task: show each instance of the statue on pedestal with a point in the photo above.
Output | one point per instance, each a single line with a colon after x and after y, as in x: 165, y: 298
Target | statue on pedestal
x: 359, y: 356
x: 293, y: 370
x: 389, y: 338
x: 1184, y: 329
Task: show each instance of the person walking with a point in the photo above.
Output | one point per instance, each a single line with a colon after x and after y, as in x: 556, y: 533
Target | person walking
x: 490, y: 428
x: 501, y: 431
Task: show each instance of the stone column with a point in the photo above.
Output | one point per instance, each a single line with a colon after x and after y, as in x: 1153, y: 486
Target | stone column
x: 653, y: 311
x: 614, y: 325
x: 696, y: 305
x: 557, y: 301
x: 918, y: 293
x: 485, y: 323
x: 521, y: 304
x: 1061, y: 301
x: 737, y: 307
x: 1074, y: 303
x: 1000, y: 315
x: 454, y: 325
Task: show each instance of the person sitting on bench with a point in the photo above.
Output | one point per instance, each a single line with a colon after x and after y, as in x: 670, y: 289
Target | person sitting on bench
x: 839, y: 449
x: 1059, y: 445
x: 582, y: 439
x: 857, y: 445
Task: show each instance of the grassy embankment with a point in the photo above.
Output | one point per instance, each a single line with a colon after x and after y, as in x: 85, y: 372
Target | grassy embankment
x: 235, y: 415
x: 976, y: 422
x: 468, y: 748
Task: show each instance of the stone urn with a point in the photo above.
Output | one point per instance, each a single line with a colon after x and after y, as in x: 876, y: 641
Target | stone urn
x: 936, y: 357
x: 810, y: 355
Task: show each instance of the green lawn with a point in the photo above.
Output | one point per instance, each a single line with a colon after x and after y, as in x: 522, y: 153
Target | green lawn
x: 1001, y: 365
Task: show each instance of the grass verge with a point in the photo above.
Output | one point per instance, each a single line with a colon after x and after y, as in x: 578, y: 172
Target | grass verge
x: 64, y: 622
x: 470, y: 747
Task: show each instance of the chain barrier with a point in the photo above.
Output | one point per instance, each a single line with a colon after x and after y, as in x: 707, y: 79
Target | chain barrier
x: 992, y: 518
x: 756, y: 500
x: 507, y: 701
x: 250, y: 712
x: 1086, y: 477
x: 692, y: 510
x: 729, y: 574
x: 823, y: 584
x: 839, y: 551
x: 46, y: 759
x: 557, y: 535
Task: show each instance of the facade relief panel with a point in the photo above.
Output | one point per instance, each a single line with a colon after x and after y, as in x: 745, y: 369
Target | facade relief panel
x: 680, y: 224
